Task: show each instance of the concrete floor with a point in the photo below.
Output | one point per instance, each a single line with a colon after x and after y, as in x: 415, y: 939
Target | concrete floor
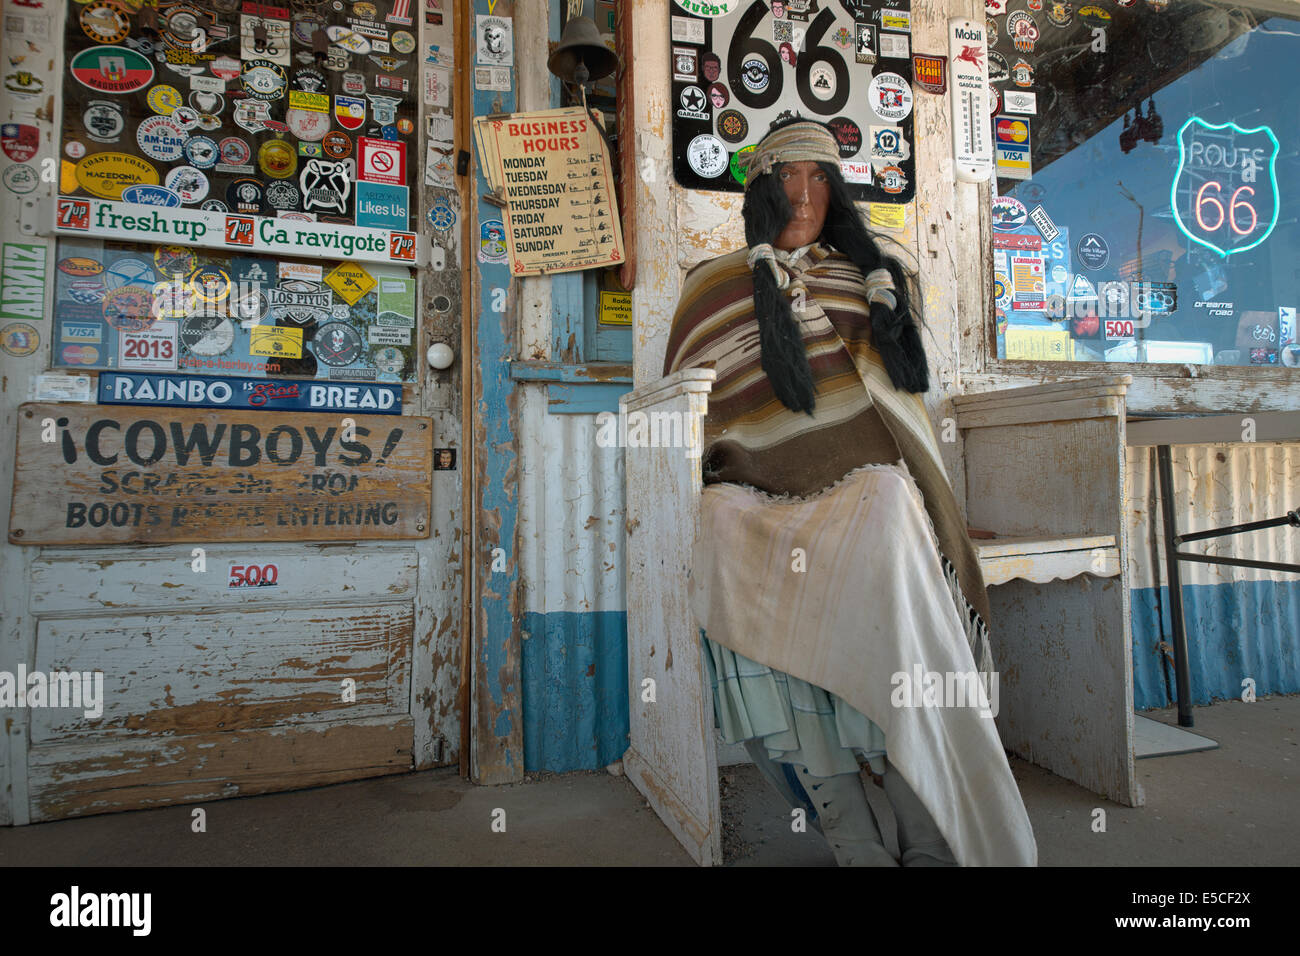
x: 1237, y: 805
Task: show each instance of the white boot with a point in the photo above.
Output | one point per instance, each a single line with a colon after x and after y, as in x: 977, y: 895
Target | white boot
x: 919, y: 839
x: 847, y: 820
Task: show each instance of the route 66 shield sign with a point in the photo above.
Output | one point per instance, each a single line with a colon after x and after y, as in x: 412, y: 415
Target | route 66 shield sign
x: 1224, y: 194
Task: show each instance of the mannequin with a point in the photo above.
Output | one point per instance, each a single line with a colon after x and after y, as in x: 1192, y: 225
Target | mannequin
x: 827, y: 411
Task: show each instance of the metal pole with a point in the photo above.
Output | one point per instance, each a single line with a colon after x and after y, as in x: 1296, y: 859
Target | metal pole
x: 1178, y: 635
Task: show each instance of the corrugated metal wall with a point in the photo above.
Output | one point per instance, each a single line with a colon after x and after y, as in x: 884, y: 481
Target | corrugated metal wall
x: 1240, y: 622
x: 572, y: 564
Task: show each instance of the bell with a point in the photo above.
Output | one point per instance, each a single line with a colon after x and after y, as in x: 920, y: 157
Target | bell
x: 581, y: 56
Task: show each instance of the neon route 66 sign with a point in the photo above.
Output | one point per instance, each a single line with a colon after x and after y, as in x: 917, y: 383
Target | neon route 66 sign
x: 1224, y: 194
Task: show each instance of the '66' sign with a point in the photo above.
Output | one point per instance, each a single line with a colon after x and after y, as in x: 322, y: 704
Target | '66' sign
x: 1224, y: 193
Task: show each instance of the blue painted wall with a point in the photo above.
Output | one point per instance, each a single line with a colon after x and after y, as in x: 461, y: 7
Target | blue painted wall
x: 1234, y: 631
x: 575, y: 689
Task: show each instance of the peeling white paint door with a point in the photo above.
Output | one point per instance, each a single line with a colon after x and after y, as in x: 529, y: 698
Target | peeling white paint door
x: 671, y: 758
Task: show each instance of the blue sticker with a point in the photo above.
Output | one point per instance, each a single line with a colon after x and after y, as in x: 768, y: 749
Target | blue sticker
x: 381, y: 206
x: 442, y: 215
x: 256, y: 394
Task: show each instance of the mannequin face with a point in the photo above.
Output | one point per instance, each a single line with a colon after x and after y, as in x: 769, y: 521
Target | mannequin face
x: 809, y: 191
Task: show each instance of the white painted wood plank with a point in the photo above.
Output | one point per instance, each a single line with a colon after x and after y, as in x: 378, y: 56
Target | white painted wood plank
x: 120, y: 578
x: 192, y: 673
x: 671, y: 757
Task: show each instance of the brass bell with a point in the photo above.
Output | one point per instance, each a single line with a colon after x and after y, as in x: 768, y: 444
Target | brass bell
x: 581, y: 56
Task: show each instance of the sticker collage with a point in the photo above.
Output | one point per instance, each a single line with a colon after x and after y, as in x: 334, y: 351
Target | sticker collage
x: 302, y: 114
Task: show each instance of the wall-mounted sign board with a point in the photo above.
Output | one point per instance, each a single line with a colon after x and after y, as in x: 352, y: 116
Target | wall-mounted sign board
x: 106, y: 219
x: 739, y: 66
x: 128, y: 475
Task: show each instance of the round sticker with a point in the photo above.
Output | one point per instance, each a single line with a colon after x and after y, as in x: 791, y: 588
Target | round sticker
x: 79, y: 266
x: 737, y: 172
x: 214, y: 205
x: 707, y: 156
x: 190, y: 184
x: 210, y: 284
x: 732, y: 126
x: 161, y: 138
x: 1094, y: 252
x: 308, y: 125
x: 234, y: 151
x: 245, y: 196
x: 201, y: 152
x: 337, y: 344
x: 21, y: 178
x: 890, y: 96
x: 848, y: 136
x: 104, y: 121
x: 754, y: 73
x: 207, y: 334
x: 282, y: 195
x: 105, y: 21
x: 304, y: 25
x: 403, y: 42
x: 112, y: 69
x: 129, y: 308
x: 405, y: 126
x: 277, y: 159
x: 822, y: 81
x: 991, y: 28
x: 174, y: 260
x: 106, y: 174
x: 185, y: 117
x: 128, y: 271
x: 19, y: 339
x: 163, y: 99
x: 74, y: 149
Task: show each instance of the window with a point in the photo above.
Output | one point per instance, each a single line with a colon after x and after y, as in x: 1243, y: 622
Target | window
x: 1148, y: 182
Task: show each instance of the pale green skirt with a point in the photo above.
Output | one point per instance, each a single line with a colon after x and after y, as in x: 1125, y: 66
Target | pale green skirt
x: 798, y: 722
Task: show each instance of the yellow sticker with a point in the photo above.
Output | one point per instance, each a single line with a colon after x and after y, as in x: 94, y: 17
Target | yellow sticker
x: 888, y: 215
x: 350, y: 281
x: 1039, y: 343
x: 67, y: 176
x: 275, y: 341
x: 615, y: 308
x: 106, y: 174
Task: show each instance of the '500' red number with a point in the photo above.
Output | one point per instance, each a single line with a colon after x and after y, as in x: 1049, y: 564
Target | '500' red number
x: 1230, y: 214
x: 252, y: 576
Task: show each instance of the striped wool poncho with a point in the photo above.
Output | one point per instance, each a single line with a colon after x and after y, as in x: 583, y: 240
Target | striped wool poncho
x: 890, y: 582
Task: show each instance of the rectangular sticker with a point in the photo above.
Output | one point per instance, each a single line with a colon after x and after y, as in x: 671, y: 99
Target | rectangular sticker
x: 23, y: 267
x: 260, y: 394
x: 151, y: 349
x: 272, y: 340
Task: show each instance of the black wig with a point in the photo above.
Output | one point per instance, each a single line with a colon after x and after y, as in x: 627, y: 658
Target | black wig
x: 894, y: 331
